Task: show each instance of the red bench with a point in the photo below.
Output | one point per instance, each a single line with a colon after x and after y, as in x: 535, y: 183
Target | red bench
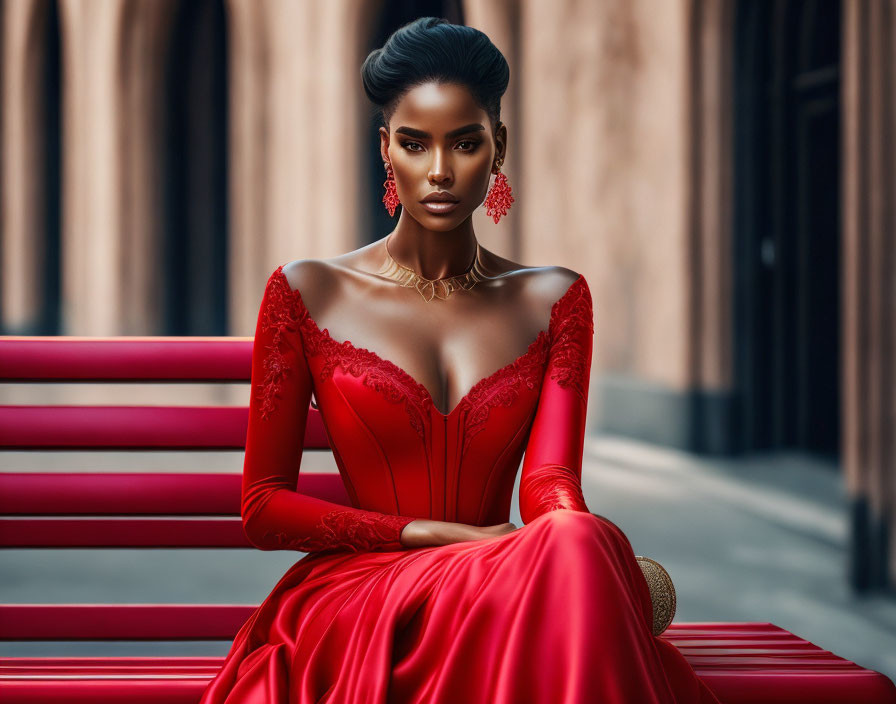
x: 741, y: 662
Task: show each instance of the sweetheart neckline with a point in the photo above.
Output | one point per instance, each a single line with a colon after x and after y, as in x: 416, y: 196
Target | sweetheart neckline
x: 542, y: 335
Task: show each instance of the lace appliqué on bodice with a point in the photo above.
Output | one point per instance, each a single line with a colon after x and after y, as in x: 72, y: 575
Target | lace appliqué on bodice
x: 559, y: 344
x: 379, y: 374
x: 503, y: 387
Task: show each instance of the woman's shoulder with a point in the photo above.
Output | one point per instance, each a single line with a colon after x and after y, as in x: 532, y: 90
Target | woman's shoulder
x: 325, y: 274
x: 304, y: 274
x: 547, y: 283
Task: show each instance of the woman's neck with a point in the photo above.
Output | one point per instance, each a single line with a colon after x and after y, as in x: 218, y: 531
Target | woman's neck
x: 431, y: 253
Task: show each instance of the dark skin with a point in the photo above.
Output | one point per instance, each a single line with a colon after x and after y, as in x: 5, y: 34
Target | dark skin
x: 441, y: 343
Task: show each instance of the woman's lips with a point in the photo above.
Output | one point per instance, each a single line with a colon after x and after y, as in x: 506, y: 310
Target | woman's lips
x: 439, y: 208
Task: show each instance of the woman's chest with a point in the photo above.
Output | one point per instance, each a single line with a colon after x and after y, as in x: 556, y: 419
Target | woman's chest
x: 436, y: 358
x: 359, y: 386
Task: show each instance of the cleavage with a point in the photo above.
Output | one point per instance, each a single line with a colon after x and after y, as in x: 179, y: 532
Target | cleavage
x: 468, y: 351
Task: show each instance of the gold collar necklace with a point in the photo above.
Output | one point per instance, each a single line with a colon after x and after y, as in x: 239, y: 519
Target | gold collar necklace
x: 433, y: 288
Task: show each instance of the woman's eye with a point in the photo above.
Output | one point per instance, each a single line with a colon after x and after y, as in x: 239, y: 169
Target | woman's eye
x: 412, y: 146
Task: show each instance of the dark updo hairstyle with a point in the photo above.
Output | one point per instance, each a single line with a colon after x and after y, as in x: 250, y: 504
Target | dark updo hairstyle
x: 433, y: 49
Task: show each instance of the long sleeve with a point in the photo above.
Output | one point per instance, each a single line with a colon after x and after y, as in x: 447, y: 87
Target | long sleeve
x: 552, y: 466
x: 275, y: 515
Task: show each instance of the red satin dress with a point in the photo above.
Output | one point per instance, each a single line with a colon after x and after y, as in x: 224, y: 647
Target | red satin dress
x: 555, y: 612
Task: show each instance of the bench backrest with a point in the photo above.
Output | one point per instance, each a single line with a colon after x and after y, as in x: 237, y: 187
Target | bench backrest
x: 126, y: 509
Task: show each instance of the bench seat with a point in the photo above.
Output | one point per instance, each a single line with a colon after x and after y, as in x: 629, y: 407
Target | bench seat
x: 743, y: 663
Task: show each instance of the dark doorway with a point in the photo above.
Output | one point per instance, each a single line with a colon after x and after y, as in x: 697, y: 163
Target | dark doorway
x: 43, y: 71
x: 787, y: 224
x: 195, y: 172
x: 376, y: 222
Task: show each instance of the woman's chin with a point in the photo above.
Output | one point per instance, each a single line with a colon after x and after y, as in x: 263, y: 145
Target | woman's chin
x: 440, y: 221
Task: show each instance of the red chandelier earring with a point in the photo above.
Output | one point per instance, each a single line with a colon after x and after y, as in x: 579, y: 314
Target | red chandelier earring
x: 391, y: 196
x: 499, y: 197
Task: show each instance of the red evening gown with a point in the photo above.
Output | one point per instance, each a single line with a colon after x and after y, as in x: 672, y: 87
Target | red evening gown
x: 557, y: 611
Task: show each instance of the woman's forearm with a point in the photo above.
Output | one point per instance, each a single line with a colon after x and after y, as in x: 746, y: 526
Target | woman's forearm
x: 423, y: 532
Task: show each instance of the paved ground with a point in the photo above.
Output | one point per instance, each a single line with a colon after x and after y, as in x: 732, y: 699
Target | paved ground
x: 753, y: 540
x: 762, y: 539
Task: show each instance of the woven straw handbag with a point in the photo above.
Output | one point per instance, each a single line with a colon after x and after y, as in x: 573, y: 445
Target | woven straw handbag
x: 662, y: 592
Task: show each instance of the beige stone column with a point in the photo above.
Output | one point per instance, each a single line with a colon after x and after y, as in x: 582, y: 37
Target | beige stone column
x: 113, y: 63
x: 91, y: 203
x: 23, y: 143
x: 606, y: 177
x: 869, y: 287
x: 295, y: 138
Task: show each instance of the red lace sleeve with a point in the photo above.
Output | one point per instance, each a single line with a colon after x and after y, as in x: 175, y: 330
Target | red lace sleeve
x: 275, y: 515
x: 552, y: 466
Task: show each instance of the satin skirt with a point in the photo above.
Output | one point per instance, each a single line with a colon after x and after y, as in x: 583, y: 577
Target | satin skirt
x: 555, y: 612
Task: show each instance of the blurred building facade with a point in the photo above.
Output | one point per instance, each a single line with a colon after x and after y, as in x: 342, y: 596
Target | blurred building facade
x: 721, y: 171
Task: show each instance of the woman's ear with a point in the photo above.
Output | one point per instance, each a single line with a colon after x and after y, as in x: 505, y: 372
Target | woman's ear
x: 500, y: 141
x: 384, y: 144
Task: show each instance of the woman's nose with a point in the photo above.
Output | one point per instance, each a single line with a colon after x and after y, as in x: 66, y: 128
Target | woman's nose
x: 439, y: 168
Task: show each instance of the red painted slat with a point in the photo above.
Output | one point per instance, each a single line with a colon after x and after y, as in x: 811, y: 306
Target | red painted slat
x: 179, y: 690
x: 141, y: 493
x: 135, y: 427
x: 804, y: 687
x: 67, y: 358
x: 128, y: 532
x: 122, y: 621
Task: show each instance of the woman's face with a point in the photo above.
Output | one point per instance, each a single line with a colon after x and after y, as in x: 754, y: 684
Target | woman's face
x: 439, y: 140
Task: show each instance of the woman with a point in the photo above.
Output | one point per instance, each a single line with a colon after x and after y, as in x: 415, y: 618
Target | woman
x: 435, y: 364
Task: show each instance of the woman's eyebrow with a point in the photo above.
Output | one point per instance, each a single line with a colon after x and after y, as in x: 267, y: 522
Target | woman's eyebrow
x: 411, y: 132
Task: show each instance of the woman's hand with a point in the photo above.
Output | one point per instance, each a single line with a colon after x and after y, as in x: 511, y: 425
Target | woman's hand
x: 423, y: 532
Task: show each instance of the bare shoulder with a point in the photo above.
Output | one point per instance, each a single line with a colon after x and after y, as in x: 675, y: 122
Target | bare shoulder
x: 336, y: 273
x: 547, y: 283
x: 308, y: 275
